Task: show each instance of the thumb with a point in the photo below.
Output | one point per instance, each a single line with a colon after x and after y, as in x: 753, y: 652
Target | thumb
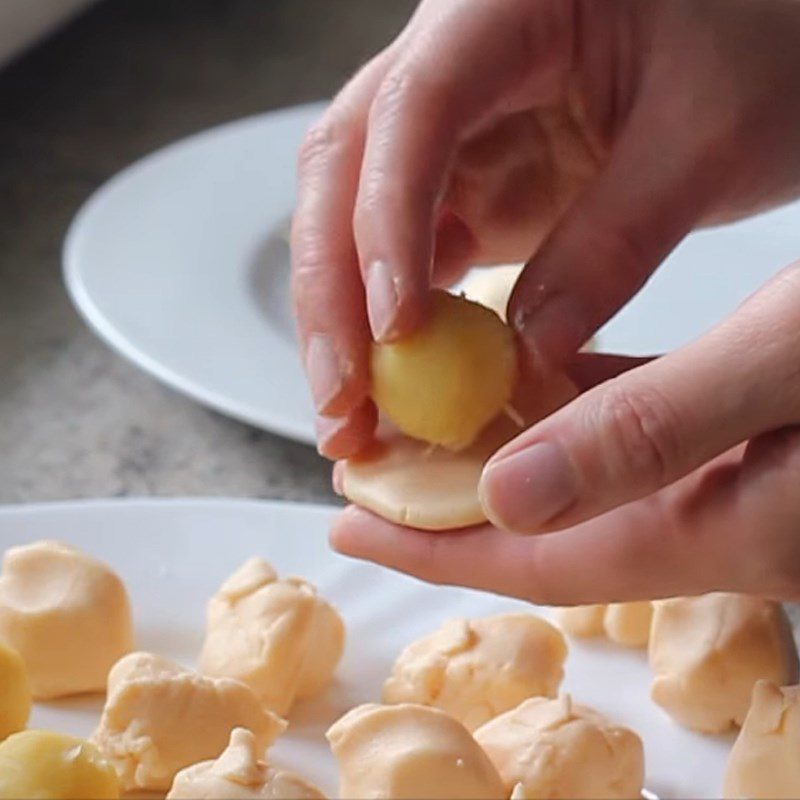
x: 643, y: 430
x: 646, y: 199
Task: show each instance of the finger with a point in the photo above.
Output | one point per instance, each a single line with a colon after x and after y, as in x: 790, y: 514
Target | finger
x: 656, y: 186
x: 588, y: 369
x: 344, y: 437
x: 731, y: 526
x: 429, y: 99
x: 643, y: 430
x: 326, y: 284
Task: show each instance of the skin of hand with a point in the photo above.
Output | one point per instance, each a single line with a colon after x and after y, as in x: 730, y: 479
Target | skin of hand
x: 586, y: 138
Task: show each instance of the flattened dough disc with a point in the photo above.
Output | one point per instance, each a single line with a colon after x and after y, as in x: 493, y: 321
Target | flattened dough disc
x: 411, y: 483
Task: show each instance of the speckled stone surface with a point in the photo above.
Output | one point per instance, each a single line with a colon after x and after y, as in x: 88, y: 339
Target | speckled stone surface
x: 127, y: 77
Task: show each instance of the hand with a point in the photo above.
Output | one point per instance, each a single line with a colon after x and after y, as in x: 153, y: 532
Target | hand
x: 678, y: 477
x: 586, y: 137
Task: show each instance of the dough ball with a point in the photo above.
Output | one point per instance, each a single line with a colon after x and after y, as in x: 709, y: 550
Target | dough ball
x: 240, y: 773
x: 15, y: 692
x: 278, y: 636
x: 582, y: 622
x: 708, y: 652
x: 628, y: 624
x: 477, y: 669
x: 555, y: 749
x: 445, y: 382
x: 160, y: 717
x: 67, y: 614
x: 408, y: 752
x: 51, y: 766
x: 764, y: 763
x: 408, y: 482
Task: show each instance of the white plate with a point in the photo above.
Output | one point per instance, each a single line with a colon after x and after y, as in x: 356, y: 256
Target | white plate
x: 173, y: 554
x: 179, y: 263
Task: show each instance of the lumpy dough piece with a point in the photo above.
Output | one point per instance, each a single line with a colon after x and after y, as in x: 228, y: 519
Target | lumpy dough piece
x: 708, y: 652
x: 582, y: 622
x: 556, y: 749
x: 15, y: 692
x: 628, y: 624
x: 51, y: 766
x: 765, y: 760
x: 492, y: 286
x: 240, y: 773
x: 445, y: 382
x: 411, y: 483
x: 160, y: 717
x: 410, y: 751
x: 67, y: 614
x: 276, y: 635
x: 477, y: 669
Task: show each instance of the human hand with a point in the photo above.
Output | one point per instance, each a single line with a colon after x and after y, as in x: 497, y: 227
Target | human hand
x: 677, y: 477
x: 590, y: 136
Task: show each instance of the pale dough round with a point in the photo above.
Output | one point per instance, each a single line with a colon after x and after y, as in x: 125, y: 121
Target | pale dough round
x: 420, y: 486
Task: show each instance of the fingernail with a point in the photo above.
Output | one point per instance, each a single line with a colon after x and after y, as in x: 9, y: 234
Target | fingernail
x: 381, y: 300
x: 526, y: 489
x: 324, y: 371
x: 337, y: 478
x: 327, y: 428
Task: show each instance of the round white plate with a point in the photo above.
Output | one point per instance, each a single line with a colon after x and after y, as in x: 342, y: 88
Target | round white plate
x: 173, y: 554
x: 180, y: 263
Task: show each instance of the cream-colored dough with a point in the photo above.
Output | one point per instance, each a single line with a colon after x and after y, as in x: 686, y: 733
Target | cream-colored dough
x: 477, y: 669
x: 556, y: 749
x: 406, y: 752
x: 67, y: 614
x: 276, y: 635
x: 708, y: 652
x: 160, y: 717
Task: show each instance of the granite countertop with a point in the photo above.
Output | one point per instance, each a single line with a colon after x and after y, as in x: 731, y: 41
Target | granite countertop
x: 121, y: 80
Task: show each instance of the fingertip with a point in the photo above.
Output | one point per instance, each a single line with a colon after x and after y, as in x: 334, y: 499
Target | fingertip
x: 339, y: 438
x: 396, y: 305
x: 344, y: 535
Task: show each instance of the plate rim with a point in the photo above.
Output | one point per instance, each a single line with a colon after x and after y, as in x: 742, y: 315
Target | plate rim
x: 105, y: 329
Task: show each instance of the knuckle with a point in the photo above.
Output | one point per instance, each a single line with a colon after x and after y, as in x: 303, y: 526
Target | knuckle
x: 638, y: 429
x: 323, y: 138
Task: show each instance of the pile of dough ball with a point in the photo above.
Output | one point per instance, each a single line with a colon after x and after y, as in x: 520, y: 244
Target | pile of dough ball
x: 66, y: 628
x: 471, y: 710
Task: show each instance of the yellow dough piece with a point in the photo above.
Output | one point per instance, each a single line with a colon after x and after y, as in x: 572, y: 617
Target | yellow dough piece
x: 276, y: 635
x: 477, y: 669
x: 556, y: 749
x: 159, y: 718
x: 67, y: 614
x: 51, y: 766
x: 414, y: 484
x: 708, y: 652
x: 240, y: 773
x: 406, y: 752
x: 15, y: 692
x: 448, y: 380
x: 764, y: 763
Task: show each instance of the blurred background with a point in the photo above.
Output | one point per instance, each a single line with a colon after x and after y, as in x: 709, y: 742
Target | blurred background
x: 99, y: 85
